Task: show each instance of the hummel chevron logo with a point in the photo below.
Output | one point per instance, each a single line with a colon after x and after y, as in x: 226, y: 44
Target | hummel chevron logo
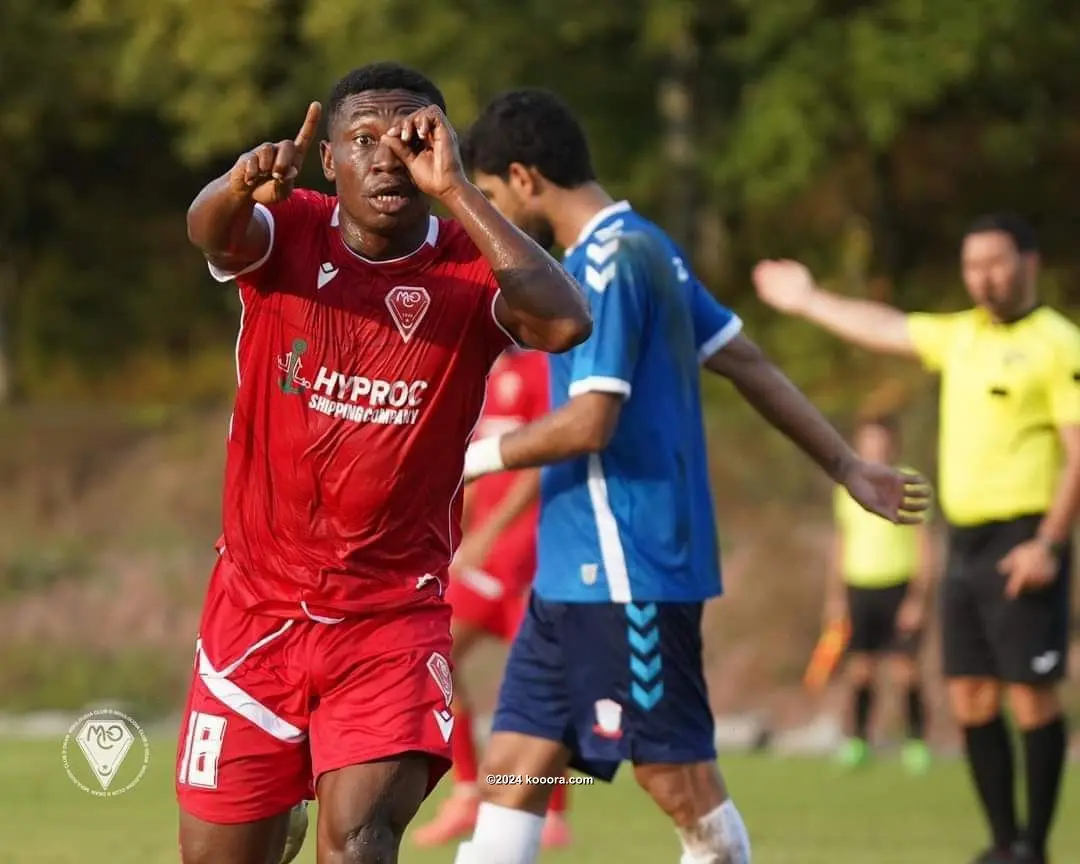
x: 599, y: 280
x: 598, y: 253
x: 611, y: 232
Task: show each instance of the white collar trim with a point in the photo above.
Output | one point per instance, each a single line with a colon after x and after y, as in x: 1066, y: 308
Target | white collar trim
x: 431, y: 239
x: 601, y: 216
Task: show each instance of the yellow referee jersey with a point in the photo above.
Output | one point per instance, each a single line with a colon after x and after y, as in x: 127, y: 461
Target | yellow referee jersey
x: 1006, y: 389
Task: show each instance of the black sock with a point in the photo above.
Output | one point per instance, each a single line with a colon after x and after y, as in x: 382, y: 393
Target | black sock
x: 990, y: 758
x: 916, y: 714
x: 1044, y: 754
x: 864, y: 701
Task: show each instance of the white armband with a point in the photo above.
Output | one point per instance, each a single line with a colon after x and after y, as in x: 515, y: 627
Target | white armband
x: 484, y: 457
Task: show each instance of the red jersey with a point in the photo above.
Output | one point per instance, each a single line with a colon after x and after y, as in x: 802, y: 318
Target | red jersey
x: 360, y: 383
x: 517, y: 394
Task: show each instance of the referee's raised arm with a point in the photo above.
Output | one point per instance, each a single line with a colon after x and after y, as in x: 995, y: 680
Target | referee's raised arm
x: 789, y: 287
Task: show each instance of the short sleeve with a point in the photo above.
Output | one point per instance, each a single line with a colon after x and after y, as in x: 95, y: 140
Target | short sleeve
x: 283, y: 220
x: 714, y: 324
x: 1064, y: 384
x: 618, y: 300
x: 496, y: 337
x: 932, y: 335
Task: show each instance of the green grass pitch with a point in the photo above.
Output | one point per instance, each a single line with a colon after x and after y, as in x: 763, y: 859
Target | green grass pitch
x: 798, y: 811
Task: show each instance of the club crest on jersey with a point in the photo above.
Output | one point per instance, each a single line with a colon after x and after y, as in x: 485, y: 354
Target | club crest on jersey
x: 440, y: 670
x: 407, y: 306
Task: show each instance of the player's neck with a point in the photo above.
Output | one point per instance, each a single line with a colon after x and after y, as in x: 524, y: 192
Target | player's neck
x: 574, y: 209
x: 383, y: 247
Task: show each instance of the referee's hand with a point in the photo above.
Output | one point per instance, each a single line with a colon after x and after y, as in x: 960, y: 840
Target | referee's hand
x: 1030, y: 566
x: 901, y: 497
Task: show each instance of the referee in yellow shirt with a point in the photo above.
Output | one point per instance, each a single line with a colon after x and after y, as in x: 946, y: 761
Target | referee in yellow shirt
x: 879, y: 582
x: 1010, y: 490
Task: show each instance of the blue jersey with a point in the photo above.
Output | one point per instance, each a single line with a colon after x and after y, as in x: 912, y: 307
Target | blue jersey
x: 635, y: 522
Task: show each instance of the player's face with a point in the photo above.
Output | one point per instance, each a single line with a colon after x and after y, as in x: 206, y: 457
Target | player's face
x: 517, y: 205
x: 373, y: 185
x: 874, y: 443
x: 997, y: 275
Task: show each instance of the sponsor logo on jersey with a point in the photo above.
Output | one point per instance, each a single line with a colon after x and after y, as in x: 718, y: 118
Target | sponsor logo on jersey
x: 356, y: 398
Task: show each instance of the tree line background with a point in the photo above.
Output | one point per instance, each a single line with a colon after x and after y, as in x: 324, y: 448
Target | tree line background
x: 859, y: 136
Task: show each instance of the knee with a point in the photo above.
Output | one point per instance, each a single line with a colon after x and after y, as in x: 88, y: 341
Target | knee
x: 860, y: 670
x: 975, y: 701
x: 374, y: 843
x: 684, y: 792
x: 905, y: 672
x: 1034, y: 706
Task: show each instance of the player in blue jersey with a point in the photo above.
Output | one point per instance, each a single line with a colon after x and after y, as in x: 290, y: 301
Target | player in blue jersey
x: 607, y: 666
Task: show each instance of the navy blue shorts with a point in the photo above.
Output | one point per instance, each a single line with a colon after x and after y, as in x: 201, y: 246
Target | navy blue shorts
x: 613, y: 682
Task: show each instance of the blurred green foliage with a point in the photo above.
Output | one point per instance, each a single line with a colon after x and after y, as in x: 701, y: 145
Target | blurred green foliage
x: 860, y: 136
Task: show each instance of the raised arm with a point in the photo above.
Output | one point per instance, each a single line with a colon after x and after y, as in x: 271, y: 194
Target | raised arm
x: 898, y: 497
x: 539, y: 304
x: 789, y: 287
x: 222, y: 221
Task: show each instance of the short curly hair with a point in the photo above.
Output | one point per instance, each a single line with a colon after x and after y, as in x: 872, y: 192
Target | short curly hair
x: 382, y: 76
x: 535, y: 128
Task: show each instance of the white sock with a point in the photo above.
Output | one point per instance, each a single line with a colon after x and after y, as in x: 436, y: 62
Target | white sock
x: 502, y: 836
x: 719, y: 838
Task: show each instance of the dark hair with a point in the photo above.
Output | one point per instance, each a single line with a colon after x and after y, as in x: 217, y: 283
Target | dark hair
x: 1021, y: 233
x: 535, y: 128
x: 382, y: 76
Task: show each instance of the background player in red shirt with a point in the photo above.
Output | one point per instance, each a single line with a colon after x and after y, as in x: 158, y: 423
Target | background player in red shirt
x: 490, y: 580
x: 368, y: 330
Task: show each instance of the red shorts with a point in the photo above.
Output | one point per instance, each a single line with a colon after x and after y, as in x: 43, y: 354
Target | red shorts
x: 486, y: 602
x: 274, y: 703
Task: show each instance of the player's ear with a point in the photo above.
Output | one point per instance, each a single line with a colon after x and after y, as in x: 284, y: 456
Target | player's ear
x: 326, y: 156
x: 522, y: 180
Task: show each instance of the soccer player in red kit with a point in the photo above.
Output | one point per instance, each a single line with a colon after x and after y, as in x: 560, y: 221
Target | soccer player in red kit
x: 368, y: 329
x: 490, y: 578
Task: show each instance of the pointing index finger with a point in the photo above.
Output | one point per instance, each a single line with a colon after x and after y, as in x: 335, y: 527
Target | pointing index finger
x: 308, y: 130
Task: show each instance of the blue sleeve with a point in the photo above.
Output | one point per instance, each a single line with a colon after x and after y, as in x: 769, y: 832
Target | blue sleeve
x: 618, y: 295
x: 714, y: 324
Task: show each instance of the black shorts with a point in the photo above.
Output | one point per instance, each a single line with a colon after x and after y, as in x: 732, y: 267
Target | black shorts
x: 986, y: 635
x: 872, y: 612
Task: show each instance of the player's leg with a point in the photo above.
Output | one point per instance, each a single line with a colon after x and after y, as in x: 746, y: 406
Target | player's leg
x: 861, y: 667
x: 531, y: 724
x: 380, y: 732
x: 242, y: 759
x: 1031, y: 638
x: 904, y: 672
x: 975, y: 699
x: 669, y: 729
x: 457, y: 814
x: 556, y: 832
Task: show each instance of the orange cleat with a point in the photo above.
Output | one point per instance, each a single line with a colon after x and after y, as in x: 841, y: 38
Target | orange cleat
x: 455, y: 820
x: 556, y: 833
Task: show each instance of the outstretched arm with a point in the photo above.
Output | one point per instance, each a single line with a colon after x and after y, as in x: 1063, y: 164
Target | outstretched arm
x: 896, y: 496
x: 788, y: 287
x: 774, y: 397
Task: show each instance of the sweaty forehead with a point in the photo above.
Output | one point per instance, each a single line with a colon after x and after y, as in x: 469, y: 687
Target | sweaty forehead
x: 380, y: 105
